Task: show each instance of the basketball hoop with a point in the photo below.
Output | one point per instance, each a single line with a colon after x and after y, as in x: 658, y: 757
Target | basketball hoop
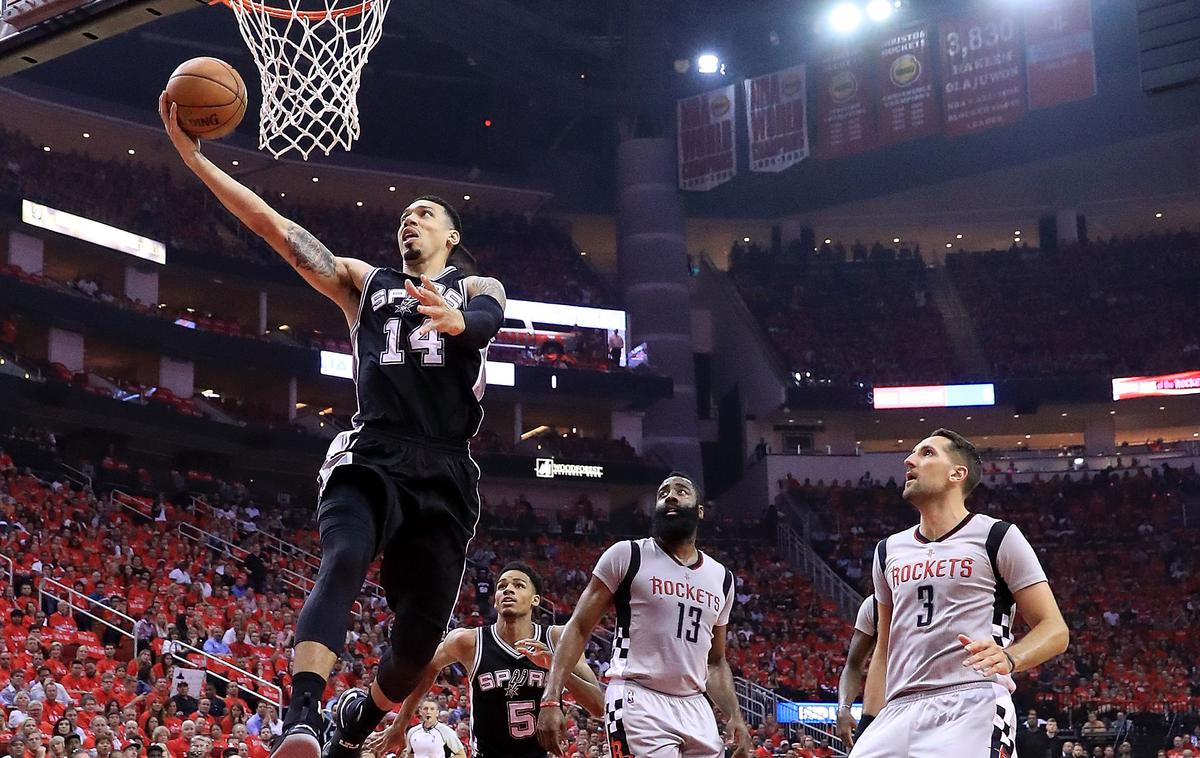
x: 310, y: 63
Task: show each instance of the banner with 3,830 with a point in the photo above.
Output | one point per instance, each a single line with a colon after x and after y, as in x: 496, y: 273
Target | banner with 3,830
x: 983, y: 71
x: 777, y: 120
x: 707, y: 155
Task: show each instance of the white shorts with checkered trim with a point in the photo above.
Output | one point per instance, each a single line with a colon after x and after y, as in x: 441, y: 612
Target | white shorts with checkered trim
x: 963, y: 721
x: 642, y: 723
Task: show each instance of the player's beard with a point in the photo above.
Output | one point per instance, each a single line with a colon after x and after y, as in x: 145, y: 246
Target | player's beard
x: 672, y: 530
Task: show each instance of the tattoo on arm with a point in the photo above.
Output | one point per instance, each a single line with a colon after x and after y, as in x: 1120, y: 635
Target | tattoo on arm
x: 486, y: 285
x: 307, y: 252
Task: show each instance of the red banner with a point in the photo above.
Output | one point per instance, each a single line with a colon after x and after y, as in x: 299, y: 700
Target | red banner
x: 706, y: 144
x: 1163, y: 385
x: 983, y: 77
x: 906, y: 102
x: 845, y: 103
x: 776, y: 119
x: 1059, y: 52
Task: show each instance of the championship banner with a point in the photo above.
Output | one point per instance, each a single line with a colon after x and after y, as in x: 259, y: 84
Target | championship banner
x: 776, y: 119
x: 983, y: 76
x: 706, y: 145
x: 907, y: 108
x: 1060, y: 57
x: 845, y: 111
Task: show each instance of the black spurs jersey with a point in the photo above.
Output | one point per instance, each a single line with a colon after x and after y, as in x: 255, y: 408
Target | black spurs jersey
x: 506, y: 688
x: 426, y: 386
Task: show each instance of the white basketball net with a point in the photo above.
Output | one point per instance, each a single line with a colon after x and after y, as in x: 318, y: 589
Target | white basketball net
x: 310, y: 65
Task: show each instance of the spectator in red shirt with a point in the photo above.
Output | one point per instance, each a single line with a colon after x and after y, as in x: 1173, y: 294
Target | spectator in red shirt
x: 179, y: 745
x: 62, y: 619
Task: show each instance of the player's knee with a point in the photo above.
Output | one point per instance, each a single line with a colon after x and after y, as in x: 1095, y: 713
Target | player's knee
x: 344, y: 560
x: 413, y: 642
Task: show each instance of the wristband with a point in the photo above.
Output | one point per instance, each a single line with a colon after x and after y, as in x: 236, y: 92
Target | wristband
x: 550, y: 704
x: 844, y: 706
x: 1012, y: 665
x: 863, y: 723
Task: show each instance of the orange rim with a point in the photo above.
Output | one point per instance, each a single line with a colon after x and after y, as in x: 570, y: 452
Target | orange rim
x: 285, y: 13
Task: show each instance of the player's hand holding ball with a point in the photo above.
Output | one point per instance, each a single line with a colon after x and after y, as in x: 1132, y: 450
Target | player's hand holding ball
x: 845, y: 727
x: 987, y: 657
x: 442, y: 318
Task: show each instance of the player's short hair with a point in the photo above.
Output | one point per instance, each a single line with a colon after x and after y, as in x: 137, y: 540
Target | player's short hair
x: 682, y: 475
x: 527, y: 570
x: 460, y: 257
x: 965, y: 452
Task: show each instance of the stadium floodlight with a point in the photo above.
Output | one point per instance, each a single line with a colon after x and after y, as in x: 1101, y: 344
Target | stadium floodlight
x: 708, y: 63
x: 879, y: 10
x: 845, y: 17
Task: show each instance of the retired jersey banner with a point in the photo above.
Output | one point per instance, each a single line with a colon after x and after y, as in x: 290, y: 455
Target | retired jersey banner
x: 907, y: 106
x: 776, y: 119
x: 845, y: 106
x: 1059, y: 53
x: 706, y: 144
x: 983, y: 73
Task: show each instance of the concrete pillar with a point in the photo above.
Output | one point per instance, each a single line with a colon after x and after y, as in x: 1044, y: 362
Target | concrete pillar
x: 26, y: 253
x: 652, y: 263
x: 177, y: 376
x: 628, y: 424
x: 518, y: 422
x: 1100, y: 435
x: 262, y: 313
x: 1068, y: 226
x: 66, y: 348
x: 141, y: 285
x: 291, y: 399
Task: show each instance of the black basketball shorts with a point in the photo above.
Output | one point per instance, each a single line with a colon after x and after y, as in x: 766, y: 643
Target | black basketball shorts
x: 426, y: 498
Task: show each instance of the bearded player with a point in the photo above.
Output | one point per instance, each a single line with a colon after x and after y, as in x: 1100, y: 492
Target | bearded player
x: 506, y: 663
x: 949, y: 586
x: 668, y: 657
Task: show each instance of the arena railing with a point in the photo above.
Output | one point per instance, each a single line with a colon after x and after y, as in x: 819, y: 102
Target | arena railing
x: 801, y: 556
x: 76, y: 476
x: 131, y: 503
x: 8, y: 568
x: 216, y: 542
x: 757, y: 702
x: 282, y: 547
x: 260, y: 688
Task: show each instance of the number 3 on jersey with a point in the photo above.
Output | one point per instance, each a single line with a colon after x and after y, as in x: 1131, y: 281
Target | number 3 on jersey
x: 429, y: 346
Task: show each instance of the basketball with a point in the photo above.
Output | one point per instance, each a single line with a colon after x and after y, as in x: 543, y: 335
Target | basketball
x: 211, y: 97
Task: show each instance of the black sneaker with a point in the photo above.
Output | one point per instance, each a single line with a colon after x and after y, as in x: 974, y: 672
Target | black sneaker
x: 345, y: 713
x: 300, y: 740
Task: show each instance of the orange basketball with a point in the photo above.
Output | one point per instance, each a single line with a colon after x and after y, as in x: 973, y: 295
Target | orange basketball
x: 211, y: 97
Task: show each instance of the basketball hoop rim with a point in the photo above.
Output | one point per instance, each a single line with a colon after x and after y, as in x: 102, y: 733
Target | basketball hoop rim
x: 286, y: 13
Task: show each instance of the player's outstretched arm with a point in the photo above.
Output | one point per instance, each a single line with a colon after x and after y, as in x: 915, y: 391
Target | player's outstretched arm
x: 720, y: 691
x: 851, y: 683
x: 551, y: 726
x: 457, y: 647
x: 582, y: 683
x: 1048, y: 636
x: 875, y: 695
x: 339, y: 279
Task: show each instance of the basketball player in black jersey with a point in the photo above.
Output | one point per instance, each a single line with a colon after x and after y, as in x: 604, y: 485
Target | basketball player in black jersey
x: 507, y: 663
x: 401, y: 483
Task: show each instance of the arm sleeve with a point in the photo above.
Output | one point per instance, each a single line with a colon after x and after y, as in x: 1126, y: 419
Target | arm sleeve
x: 483, y: 317
x: 865, y: 620
x: 1018, y: 563
x: 883, y: 593
x: 612, y: 566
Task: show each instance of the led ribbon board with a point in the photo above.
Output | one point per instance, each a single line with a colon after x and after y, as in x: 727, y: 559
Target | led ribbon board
x: 934, y: 396
x: 1163, y: 385
x: 95, y: 232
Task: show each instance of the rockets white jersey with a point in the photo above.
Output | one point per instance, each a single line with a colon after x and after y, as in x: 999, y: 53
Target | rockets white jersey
x: 962, y: 583
x: 665, y: 615
x: 867, y: 618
